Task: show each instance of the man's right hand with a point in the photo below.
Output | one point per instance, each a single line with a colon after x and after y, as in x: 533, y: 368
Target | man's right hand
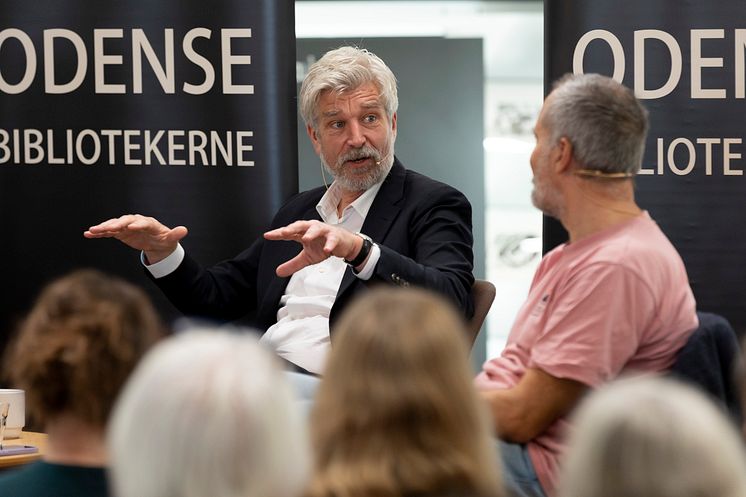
x: 142, y: 233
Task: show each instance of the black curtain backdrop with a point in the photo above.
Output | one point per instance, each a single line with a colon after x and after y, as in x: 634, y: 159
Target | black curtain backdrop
x: 695, y: 153
x: 46, y: 206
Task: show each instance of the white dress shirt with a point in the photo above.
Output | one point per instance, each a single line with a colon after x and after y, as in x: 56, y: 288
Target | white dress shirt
x: 301, y: 334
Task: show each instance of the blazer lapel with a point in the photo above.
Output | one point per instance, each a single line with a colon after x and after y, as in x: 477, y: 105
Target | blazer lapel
x: 386, y: 206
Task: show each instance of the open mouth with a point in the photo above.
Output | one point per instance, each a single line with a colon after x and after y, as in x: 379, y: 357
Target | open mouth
x: 359, y: 161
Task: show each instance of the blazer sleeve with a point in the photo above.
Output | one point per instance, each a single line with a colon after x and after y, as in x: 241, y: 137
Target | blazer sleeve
x: 233, y: 288
x: 440, y: 249
x: 223, y: 292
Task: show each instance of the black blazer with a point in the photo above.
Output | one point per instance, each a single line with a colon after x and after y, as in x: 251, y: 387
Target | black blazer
x: 422, y: 226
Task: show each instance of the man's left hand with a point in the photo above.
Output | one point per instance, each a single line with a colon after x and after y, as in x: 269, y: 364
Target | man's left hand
x: 320, y: 241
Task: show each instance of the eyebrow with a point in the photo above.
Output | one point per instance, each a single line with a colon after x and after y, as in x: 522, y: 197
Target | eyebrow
x: 373, y: 104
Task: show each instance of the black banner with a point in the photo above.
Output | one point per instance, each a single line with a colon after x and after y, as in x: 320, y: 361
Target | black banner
x: 685, y: 61
x: 179, y: 109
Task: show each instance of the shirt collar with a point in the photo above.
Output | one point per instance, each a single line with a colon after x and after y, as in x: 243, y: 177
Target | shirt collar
x: 327, y: 206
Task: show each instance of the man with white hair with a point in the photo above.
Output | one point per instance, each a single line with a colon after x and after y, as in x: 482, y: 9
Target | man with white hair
x: 615, y: 298
x: 377, y: 223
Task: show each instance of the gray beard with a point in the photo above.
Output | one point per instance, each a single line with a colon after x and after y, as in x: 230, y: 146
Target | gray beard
x: 546, y: 203
x: 361, y: 182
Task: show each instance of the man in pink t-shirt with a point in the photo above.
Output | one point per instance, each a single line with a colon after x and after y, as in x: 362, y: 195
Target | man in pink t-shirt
x: 615, y: 299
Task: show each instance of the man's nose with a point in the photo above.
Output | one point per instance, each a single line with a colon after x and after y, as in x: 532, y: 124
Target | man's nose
x: 355, y: 135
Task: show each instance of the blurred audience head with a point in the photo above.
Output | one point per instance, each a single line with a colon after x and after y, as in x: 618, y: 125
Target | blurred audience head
x: 601, y: 118
x: 652, y: 437
x: 74, y: 351
x: 396, y: 413
x: 208, y: 414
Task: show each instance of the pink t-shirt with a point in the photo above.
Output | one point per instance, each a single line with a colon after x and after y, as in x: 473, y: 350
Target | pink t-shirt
x: 615, y: 302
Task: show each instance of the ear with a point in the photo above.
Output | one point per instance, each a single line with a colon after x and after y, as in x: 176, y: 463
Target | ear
x: 562, y: 155
x: 393, y: 124
x: 313, y: 135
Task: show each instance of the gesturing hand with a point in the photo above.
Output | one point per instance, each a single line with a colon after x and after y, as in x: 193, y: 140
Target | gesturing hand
x: 142, y: 233
x: 320, y: 241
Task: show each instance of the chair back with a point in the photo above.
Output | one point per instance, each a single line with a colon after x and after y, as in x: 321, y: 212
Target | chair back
x: 709, y: 360
x: 483, y: 293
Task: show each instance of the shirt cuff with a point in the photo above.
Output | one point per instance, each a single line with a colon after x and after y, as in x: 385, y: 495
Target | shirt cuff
x: 370, y: 264
x: 166, y: 266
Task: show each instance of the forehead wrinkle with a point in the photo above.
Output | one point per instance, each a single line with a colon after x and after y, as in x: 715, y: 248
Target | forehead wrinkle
x: 371, y: 104
x: 368, y: 96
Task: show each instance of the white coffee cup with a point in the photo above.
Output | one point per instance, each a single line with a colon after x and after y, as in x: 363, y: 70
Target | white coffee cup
x: 17, y: 412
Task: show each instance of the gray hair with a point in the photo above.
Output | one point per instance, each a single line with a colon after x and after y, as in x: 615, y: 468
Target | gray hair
x: 208, y: 413
x: 603, y: 121
x: 652, y: 437
x: 344, y: 69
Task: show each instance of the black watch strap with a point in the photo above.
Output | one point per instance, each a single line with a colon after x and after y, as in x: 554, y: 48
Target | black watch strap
x: 364, y: 251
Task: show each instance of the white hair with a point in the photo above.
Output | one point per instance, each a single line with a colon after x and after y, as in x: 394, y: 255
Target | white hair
x: 652, y: 437
x: 344, y: 69
x: 208, y: 414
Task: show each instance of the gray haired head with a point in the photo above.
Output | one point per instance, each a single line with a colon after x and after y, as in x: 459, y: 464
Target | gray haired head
x: 602, y: 119
x: 345, y: 69
x: 652, y: 437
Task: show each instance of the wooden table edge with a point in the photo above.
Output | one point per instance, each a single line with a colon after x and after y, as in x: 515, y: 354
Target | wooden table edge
x: 38, y: 440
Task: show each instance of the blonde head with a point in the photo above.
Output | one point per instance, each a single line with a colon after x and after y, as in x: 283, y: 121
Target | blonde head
x: 397, y: 413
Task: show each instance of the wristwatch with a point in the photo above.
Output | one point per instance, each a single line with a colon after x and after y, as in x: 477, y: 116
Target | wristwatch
x: 364, y: 251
